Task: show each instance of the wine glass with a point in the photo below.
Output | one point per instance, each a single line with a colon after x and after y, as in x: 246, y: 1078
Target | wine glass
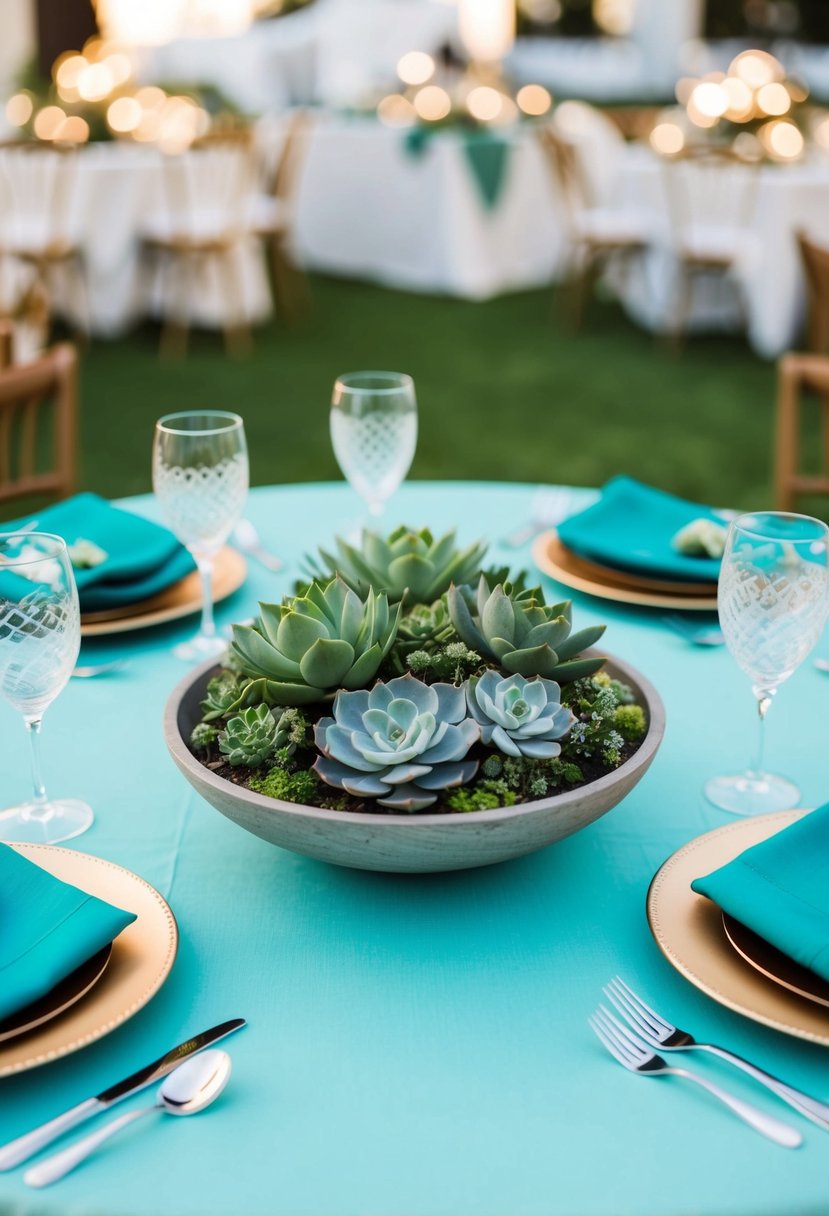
x: 773, y: 601
x: 200, y: 478
x: 40, y: 636
x: 374, y: 432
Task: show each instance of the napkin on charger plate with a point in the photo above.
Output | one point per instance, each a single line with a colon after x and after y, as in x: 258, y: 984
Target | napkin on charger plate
x: 137, y: 558
x: 780, y: 889
x: 48, y: 928
x: 634, y: 527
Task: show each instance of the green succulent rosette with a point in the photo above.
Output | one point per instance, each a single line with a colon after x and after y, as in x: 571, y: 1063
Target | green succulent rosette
x: 408, y: 565
x: 309, y: 646
x: 524, y: 635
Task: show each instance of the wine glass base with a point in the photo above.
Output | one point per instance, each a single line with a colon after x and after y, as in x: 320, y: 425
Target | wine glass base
x: 45, y: 823
x: 752, y: 794
x: 201, y: 647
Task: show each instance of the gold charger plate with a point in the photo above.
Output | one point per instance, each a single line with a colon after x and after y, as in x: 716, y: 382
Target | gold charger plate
x: 556, y: 560
x: 57, y: 999
x: 773, y: 964
x: 182, y: 599
x: 142, y: 956
x: 689, y: 931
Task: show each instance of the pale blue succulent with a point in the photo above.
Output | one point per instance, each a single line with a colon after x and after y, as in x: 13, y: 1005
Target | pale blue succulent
x: 401, y: 743
x: 520, y: 717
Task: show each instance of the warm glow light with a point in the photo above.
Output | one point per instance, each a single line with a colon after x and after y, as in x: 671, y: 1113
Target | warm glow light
x: 120, y: 67
x: 75, y: 130
x: 124, y: 115
x: 684, y: 88
x: 709, y: 99
x: 614, y: 16
x: 782, y: 140
x: 396, y: 111
x: 756, y: 68
x: 416, y: 67
x: 19, y: 109
x: 151, y: 97
x: 48, y: 122
x: 95, y: 82
x: 149, y: 127
x: 179, y: 124
x: 67, y: 70
x: 141, y: 22
x: 487, y: 28
x: 740, y: 99
x: 667, y: 139
x: 573, y: 118
x: 484, y: 103
x: 774, y: 99
x: 534, y: 99
x: 432, y: 103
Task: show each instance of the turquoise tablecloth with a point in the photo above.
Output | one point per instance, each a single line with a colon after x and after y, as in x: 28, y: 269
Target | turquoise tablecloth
x: 418, y: 1046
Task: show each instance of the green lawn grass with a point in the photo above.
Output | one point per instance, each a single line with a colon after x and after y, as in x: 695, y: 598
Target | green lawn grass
x: 505, y: 391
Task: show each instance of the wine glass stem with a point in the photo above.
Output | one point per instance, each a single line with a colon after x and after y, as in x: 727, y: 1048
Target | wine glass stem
x: 208, y: 626
x: 764, y: 698
x: 38, y: 808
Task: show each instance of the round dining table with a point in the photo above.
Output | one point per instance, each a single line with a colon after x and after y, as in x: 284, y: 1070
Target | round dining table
x: 417, y: 1045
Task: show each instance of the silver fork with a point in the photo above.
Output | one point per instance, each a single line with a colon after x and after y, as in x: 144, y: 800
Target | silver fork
x: 660, y: 1033
x: 549, y: 507
x: 630, y: 1051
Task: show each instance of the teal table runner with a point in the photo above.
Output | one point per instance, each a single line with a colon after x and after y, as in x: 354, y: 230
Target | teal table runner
x: 486, y: 153
x: 417, y: 1045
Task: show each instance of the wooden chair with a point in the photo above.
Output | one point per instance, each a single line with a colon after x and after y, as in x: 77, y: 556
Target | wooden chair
x: 598, y: 234
x: 795, y: 374
x: 24, y: 390
x: 816, y: 264
x: 6, y: 344
x: 711, y: 197
x: 272, y: 219
x: 37, y: 184
x: 204, y: 224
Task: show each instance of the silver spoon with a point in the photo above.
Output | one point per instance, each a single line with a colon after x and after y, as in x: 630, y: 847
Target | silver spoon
x: 90, y: 670
x: 188, y: 1089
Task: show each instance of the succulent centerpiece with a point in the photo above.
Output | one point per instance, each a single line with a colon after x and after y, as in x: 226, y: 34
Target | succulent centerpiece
x: 404, y: 678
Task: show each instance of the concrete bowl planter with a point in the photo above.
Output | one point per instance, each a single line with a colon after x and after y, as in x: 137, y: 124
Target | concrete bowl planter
x: 410, y: 843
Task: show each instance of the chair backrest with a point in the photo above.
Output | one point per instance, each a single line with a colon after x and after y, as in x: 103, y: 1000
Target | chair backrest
x: 6, y: 344
x: 708, y: 189
x: 598, y: 145
x: 816, y: 264
x: 208, y: 188
x: 37, y: 184
x: 25, y: 391
x: 564, y: 166
x: 286, y: 171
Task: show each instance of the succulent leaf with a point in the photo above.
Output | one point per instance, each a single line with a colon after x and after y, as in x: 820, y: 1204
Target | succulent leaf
x: 520, y: 717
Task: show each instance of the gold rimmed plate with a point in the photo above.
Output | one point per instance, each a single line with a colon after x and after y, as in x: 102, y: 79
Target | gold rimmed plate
x: 71, y: 989
x: 560, y: 563
x: 688, y: 929
x: 773, y: 963
x: 141, y: 959
x: 182, y: 599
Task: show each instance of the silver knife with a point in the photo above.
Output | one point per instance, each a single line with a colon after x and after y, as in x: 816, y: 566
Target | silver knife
x: 32, y: 1142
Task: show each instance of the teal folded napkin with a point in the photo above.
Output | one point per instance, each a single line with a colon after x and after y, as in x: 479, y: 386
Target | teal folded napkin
x: 47, y: 929
x: 143, y: 558
x: 632, y: 527
x: 780, y: 889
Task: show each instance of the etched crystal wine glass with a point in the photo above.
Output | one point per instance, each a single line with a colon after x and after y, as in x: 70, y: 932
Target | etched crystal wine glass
x: 200, y: 478
x: 773, y: 601
x: 40, y: 636
x: 374, y: 432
